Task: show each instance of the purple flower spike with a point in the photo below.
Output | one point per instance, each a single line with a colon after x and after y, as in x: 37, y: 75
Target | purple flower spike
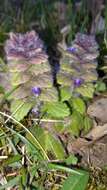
x: 72, y: 49
x: 78, y: 82
x: 36, y: 91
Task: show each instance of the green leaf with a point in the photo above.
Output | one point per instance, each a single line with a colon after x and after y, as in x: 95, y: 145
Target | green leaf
x: 104, y: 68
x: 63, y: 168
x: 79, y: 105
x: 100, y: 86
x: 48, y: 95
x: 87, y: 124
x: 57, y: 109
x: 65, y: 93
x: 12, y: 159
x: 59, y: 128
x: 71, y: 160
x: 20, y: 109
x: 49, y: 142
x: 38, y: 141
x: 76, y: 123
x: 1, y: 89
x: 76, y: 182
x: 24, y: 176
x: 86, y: 90
x: 54, y: 145
x: 39, y: 133
x: 17, y: 78
x: 64, y: 79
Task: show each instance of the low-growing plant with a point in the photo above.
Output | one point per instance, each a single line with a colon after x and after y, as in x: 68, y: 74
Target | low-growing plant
x: 42, y: 109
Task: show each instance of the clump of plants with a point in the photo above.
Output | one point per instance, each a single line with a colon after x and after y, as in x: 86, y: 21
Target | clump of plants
x: 41, y: 116
x: 30, y: 79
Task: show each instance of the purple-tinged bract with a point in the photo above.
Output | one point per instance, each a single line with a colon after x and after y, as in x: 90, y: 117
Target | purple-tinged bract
x: 26, y: 46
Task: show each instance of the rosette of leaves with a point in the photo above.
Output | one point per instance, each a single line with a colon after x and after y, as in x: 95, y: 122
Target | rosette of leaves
x: 30, y: 73
x: 77, y: 73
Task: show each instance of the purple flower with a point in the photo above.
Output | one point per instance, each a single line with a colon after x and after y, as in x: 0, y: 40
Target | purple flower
x: 36, y: 111
x: 72, y: 49
x: 78, y: 82
x: 36, y: 91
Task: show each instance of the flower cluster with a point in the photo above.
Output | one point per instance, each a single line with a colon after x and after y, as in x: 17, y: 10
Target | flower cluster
x: 78, y: 63
x: 28, y: 66
x: 25, y: 46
